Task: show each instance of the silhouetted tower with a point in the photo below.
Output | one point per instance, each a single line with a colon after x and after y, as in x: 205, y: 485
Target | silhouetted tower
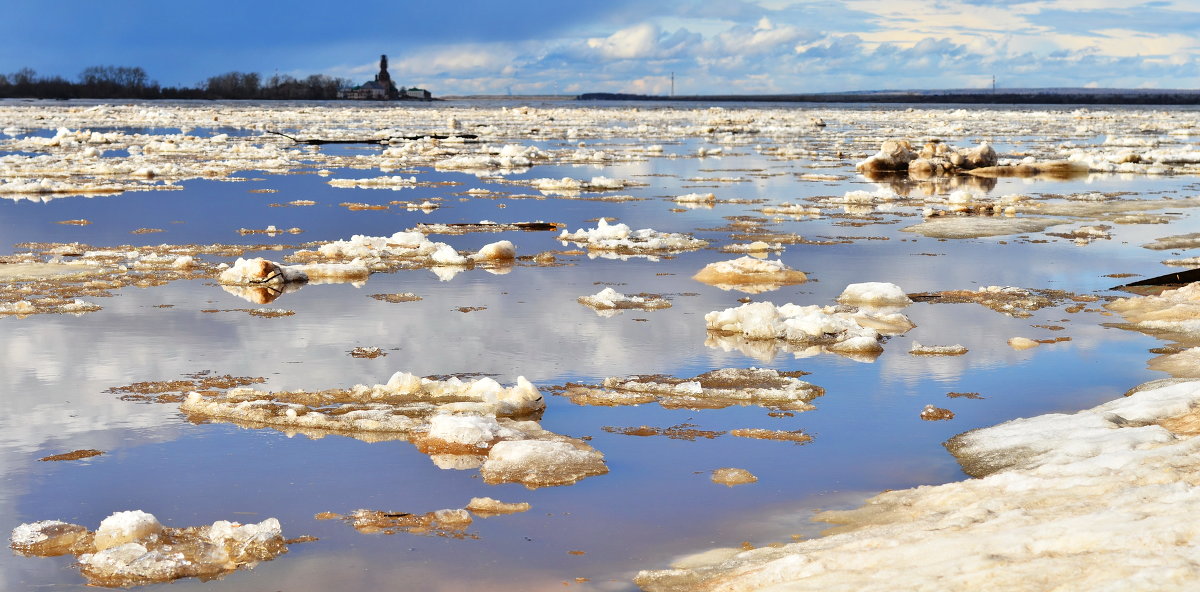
x: 385, y: 80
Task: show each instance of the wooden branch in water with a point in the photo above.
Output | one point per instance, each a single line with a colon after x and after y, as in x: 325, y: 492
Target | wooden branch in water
x: 379, y: 141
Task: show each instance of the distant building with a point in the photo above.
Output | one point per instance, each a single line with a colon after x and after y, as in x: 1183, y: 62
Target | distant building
x: 383, y: 89
x: 418, y: 93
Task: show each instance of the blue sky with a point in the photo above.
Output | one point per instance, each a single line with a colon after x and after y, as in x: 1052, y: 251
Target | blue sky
x: 537, y: 46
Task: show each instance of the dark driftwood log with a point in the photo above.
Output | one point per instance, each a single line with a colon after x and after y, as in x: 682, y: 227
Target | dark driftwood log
x: 380, y: 141
x: 1177, y: 278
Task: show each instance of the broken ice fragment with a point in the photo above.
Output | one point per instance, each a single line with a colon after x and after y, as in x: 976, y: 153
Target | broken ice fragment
x: 730, y: 476
x: 133, y: 548
x: 750, y: 275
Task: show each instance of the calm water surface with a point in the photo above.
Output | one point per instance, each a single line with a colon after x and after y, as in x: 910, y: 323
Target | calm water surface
x: 657, y: 502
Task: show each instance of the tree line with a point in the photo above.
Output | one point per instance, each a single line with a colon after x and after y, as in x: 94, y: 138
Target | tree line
x: 123, y: 82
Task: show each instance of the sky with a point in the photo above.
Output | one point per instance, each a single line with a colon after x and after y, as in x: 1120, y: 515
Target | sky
x: 460, y: 47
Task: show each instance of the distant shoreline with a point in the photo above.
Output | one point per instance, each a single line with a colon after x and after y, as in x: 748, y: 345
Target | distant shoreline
x: 1006, y: 97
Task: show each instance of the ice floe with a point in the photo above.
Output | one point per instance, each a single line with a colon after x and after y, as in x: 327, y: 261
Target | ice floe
x: 619, y: 239
x: 609, y: 302
x: 712, y: 390
x: 749, y: 275
x: 806, y: 330
x: 132, y: 548
x: 471, y: 424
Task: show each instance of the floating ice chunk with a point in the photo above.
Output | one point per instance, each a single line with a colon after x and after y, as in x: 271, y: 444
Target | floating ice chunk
x: 832, y: 329
x: 569, y: 186
x: 1020, y: 343
x: 49, y: 538
x: 937, y: 350
x: 620, y: 238
x: 132, y: 548
x: 609, y: 299
x: 327, y: 273
x: 730, y: 476
x: 541, y: 463
x: 446, y: 255
x: 260, y: 271
x: 462, y: 431
x: 20, y: 307
x: 696, y: 198
x: 931, y: 413
x: 497, y: 251
x: 874, y: 294
x: 750, y: 275
x: 123, y: 527
x: 486, y: 506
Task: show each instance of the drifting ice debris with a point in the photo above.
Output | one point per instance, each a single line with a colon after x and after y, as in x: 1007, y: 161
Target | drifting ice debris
x: 400, y: 250
x: 749, y: 275
x: 259, y: 271
x: 1009, y: 300
x: 569, y: 186
x: 876, y: 294
x: 937, y: 350
x: 697, y: 199
x: 485, y: 507
x: 609, y: 302
x: 931, y: 413
x: 133, y: 548
x: 730, y: 476
x: 460, y: 424
x: 1020, y: 343
x: 1057, y: 170
x: 839, y: 330
x: 934, y: 159
x: 541, y: 463
x: 618, y: 238
x: 712, y: 390
x: 443, y: 523
x: 980, y: 226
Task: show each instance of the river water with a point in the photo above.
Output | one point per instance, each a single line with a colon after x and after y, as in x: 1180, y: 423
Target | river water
x: 657, y: 501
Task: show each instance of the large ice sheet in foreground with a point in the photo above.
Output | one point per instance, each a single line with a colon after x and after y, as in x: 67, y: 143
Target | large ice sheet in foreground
x: 1086, y: 501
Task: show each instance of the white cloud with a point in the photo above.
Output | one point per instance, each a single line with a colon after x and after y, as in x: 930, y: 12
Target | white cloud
x: 638, y: 41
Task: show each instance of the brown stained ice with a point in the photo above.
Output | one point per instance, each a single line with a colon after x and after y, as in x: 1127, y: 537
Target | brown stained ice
x: 174, y: 391
x: 712, y: 390
x: 933, y: 159
x: 918, y: 349
x: 450, y: 523
x: 132, y: 548
x: 73, y: 455
x: 486, y: 507
x: 55, y: 277
x: 609, y: 302
x: 397, y: 298
x: 683, y: 431
x: 1012, y: 301
x: 750, y: 275
x: 460, y: 424
x: 469, y: 227
x: 794, y: 436
x: 1171, y: 314
x: 730, y: 476
x: 931, y: 413
x: 367, y: 352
